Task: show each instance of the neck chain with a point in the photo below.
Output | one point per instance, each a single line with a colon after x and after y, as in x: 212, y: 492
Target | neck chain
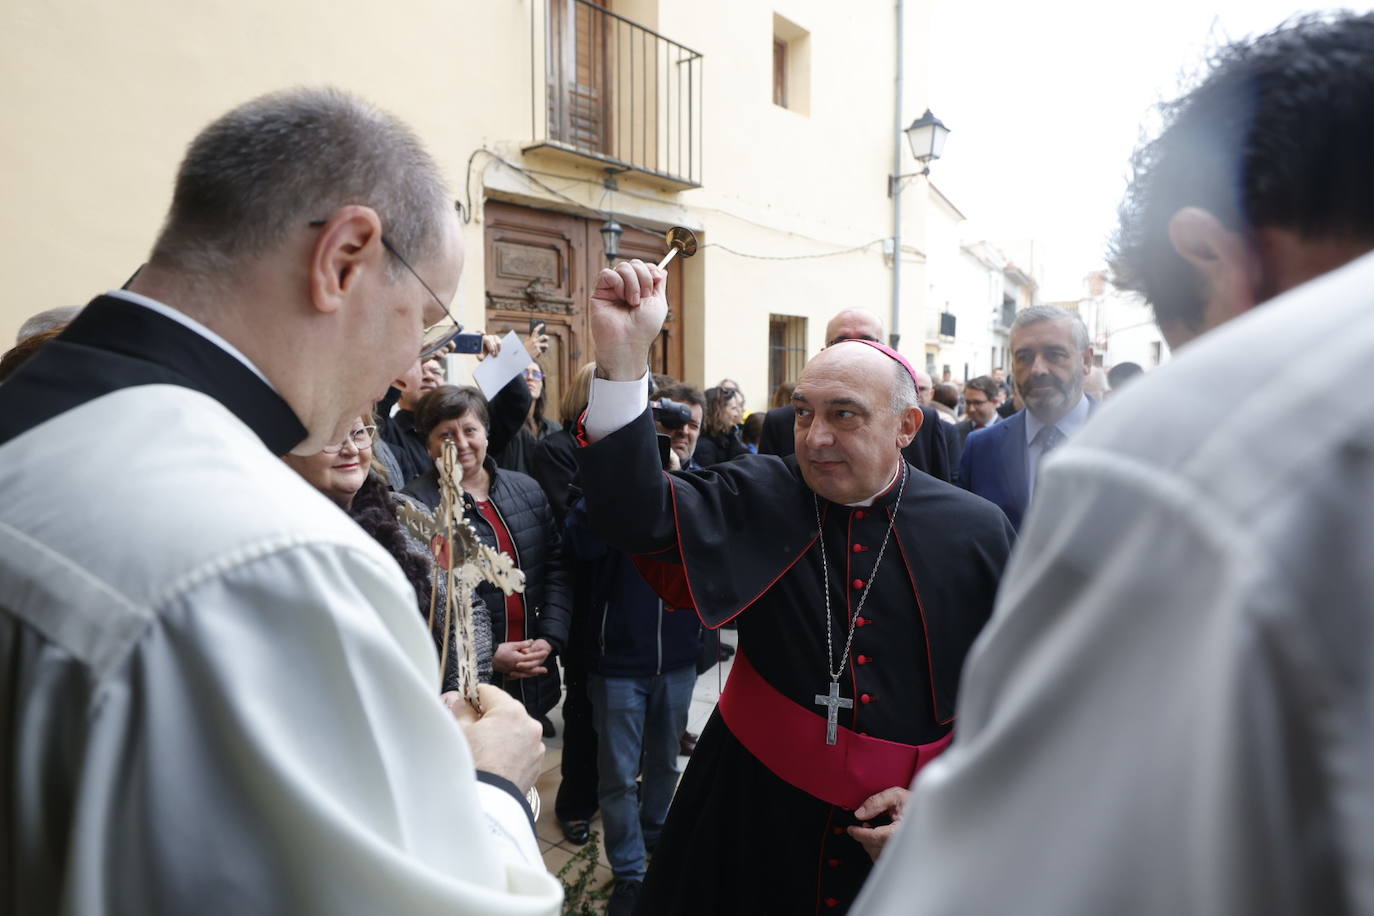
x: 825, y: 572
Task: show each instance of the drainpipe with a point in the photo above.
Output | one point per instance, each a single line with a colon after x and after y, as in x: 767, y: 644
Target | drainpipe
x: 893, y: 336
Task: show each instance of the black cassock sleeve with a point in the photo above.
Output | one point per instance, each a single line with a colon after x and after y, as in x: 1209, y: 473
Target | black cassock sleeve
x: 731, y: 529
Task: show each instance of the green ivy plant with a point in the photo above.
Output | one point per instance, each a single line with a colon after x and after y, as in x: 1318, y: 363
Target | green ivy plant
x: 581, y: 895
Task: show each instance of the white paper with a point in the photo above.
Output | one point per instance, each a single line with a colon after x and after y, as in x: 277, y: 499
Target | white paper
x: 495, y: 372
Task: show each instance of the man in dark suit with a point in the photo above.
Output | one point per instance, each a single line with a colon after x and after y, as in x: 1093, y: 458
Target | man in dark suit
x: 982, y: 397
x: 936, y: 447
x: 1051, y: 357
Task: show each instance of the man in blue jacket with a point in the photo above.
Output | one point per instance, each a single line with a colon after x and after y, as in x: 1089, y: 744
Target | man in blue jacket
x: 1051, y: 357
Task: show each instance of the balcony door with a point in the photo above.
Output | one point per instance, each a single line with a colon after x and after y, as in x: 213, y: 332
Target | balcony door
x: 578, y: 72
x: 543, y: 266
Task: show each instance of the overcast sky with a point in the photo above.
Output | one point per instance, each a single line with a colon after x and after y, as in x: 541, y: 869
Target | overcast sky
x: 1046, y: 101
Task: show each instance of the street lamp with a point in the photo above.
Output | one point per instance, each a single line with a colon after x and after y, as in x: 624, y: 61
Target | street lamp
x: 610, y: 239
x: 926, y: 136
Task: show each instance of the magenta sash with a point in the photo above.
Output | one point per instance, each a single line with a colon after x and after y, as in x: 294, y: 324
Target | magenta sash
x: 790, y: 741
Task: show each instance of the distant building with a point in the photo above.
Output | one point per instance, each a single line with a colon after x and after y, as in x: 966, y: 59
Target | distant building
x: 1121, y: 324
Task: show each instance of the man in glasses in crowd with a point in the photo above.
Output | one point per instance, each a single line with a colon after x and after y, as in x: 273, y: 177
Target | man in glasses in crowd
x: 217, y: 695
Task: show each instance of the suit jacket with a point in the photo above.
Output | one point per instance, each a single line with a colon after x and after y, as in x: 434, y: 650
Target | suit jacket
x: 994, y: 464
x: 964, y: 427
x: 935, y: 449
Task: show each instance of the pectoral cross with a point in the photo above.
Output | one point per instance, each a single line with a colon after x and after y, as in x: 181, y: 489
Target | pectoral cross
x: 833, y: 703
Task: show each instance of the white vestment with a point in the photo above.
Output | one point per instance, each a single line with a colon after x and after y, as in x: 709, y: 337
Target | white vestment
x: 1172, y: 711
x: 217, y: 694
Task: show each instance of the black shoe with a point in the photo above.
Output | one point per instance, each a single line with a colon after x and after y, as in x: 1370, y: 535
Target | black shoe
x: 549, y: 730
x: 576, y: 832
x: 623, y: 897
x: 686, y: 744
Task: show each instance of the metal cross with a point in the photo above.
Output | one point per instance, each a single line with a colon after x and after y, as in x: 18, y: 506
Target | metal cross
x: 833, y: 703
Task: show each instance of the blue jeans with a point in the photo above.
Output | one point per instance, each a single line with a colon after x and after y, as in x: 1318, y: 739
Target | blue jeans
x: 638, y: 722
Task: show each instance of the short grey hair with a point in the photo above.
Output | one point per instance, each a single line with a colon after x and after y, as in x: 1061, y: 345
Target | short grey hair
x: 1038, y: 313
x: 283, y: 160
x: 903, y: 390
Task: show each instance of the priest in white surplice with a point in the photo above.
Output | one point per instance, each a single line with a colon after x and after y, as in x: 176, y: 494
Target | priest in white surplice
x: 216, y: 694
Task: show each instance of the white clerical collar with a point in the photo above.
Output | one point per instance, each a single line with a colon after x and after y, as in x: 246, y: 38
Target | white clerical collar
x: 1068, y: 424
x: 891, y: 481
x: 166, y: 311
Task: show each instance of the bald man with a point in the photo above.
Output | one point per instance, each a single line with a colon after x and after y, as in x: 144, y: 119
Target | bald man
x: 934, y: 449
x: 853, y: 622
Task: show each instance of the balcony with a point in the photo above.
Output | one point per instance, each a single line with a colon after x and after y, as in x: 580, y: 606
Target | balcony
x: 614, y: 94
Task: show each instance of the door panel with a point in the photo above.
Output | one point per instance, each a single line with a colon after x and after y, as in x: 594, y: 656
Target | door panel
x: 543, y: 265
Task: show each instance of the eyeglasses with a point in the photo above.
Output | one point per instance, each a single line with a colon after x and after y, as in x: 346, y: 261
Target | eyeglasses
x: 442, y: 331
x: 360, y: 437
x: 534, y: 374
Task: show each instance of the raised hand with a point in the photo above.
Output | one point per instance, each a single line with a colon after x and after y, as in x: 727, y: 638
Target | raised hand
x: 628, y: 307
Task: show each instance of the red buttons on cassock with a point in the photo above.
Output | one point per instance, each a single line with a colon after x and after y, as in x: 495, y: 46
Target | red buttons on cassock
x: 867, y: 698
x: 831, y: 901
x: 860, y: 621
x: 858, y: 583
x: 832, y: 862
x: 859, y: 548
x: 838, y: 831
x: 859, y: 514
x: 863, y: 659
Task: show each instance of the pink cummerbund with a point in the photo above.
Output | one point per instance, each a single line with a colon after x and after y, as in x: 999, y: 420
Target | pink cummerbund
x: 790, y: 741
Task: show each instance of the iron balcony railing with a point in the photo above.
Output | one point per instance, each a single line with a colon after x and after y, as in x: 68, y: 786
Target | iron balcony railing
x: 615, y: 92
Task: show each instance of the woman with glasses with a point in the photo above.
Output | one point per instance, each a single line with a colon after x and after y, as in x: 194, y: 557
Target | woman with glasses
x: 509, y: 512
x: 518, y: 455
x: 344, y: 473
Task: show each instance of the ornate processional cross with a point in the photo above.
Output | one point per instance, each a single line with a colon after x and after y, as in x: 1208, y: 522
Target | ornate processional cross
x: 833, y: 703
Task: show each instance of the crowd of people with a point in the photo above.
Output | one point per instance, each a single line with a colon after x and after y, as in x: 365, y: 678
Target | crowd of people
x: 223, y: 687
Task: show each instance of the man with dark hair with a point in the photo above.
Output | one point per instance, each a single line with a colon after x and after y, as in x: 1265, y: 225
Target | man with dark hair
x: 1123, y: 374
x: 1171, y: 711
x: 683, y: 439
x: 945, y: 399
x: 218, y: 696
x: 1052, y: 357
x: 982, y: 396
x: 853, y: 619
x: 935, y: 449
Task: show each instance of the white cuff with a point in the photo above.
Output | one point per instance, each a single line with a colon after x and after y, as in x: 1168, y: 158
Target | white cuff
x: 508, y: 825
x: 611, y: 405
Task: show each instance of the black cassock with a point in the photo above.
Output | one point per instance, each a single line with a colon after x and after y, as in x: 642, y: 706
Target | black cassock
x: 742, y: 535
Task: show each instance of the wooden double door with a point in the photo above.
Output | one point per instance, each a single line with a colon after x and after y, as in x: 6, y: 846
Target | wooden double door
x: 542, y: 266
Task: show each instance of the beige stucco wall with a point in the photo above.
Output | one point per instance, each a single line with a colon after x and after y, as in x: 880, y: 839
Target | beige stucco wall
x: 101, y: 100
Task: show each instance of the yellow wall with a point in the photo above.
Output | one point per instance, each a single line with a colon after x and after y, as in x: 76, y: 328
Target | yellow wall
x: 101, y: 100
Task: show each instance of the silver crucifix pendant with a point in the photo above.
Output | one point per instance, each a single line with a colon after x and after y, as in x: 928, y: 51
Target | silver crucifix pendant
x: 833, y: 703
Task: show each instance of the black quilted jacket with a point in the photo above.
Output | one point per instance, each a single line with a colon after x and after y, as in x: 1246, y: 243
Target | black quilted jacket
x: 539, y: 554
